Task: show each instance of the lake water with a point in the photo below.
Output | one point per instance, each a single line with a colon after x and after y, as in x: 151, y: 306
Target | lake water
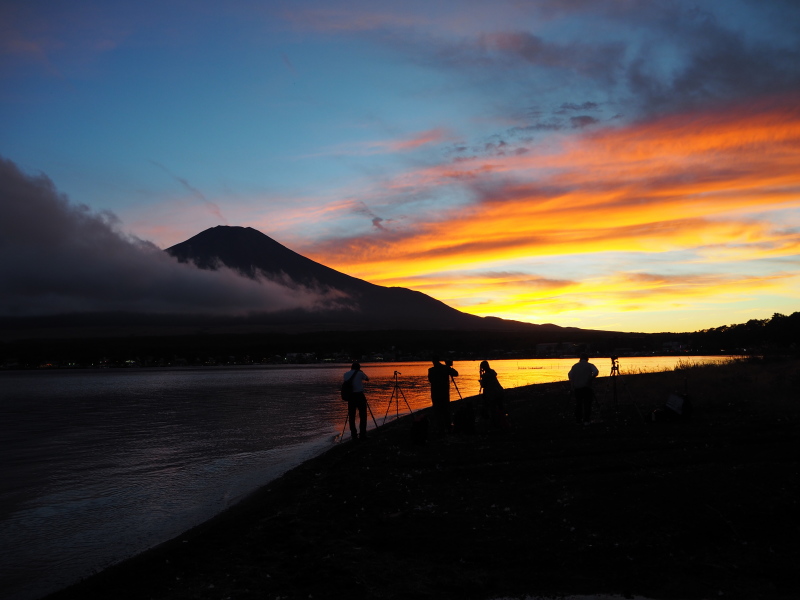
x: 99, y: 465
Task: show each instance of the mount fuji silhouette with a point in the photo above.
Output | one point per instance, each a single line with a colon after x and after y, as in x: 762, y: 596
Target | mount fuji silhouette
x: 365, y: 306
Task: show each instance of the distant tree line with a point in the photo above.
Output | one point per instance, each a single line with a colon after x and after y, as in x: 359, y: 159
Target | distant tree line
x: 777, y: 335
x: 781, y: 333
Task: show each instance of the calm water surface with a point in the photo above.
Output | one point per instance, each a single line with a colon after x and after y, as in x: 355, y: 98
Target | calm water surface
x: 100, y: 465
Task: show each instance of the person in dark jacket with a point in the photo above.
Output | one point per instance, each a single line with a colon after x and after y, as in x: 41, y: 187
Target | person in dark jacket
x: 581, y: 376
x: 493, y: 407
x: 439, y: 377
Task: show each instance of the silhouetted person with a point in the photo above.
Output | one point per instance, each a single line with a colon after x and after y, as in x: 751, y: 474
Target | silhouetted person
x: 493, y: 407
x: 439, y: 376
x: 581, y: 376
x: 357, y: 401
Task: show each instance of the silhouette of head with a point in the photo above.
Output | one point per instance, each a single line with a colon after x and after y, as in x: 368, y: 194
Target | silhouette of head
x: 355, y: 366
x: 584, y: 356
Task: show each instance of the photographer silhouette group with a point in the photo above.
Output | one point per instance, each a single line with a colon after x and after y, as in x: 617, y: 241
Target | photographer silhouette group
x: 491, y: 412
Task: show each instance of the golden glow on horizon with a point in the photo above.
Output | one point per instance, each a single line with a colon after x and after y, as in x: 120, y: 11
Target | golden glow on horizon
x: 702, y: 183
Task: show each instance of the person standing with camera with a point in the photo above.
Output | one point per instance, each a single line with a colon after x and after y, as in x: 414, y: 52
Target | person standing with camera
x: 439, y: 377
x: 357, y: 401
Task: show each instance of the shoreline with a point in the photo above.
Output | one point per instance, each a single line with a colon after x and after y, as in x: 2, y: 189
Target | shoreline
x: 661, y: 510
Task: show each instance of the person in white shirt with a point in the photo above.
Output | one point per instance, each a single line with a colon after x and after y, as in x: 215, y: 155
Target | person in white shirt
x: 357, y: 401
x: 581, y: 376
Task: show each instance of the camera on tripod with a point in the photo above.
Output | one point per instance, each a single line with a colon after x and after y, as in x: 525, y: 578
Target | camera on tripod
x: 614, y: 366
x: 397, y: 392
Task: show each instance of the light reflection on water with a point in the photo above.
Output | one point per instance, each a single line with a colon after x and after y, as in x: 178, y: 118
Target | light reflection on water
x: 100, y: 465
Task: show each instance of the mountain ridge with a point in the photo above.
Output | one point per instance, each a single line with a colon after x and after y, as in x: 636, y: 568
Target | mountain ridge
x: 371, y: 306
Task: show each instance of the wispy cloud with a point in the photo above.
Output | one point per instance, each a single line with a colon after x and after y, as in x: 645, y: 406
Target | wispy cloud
x: 57, y: 40
x: 212, y: 207
x: 602, y: 61
x: 705, y: 182
x: 390, y: 146
x: 687, y: 57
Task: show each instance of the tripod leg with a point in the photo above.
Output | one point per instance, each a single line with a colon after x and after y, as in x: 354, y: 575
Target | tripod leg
x: 397, y: 401
x: 346, y: 421
x: 388, y: 408
x: 405, y: 400
x: 371, y: 415
x: 453, y: 379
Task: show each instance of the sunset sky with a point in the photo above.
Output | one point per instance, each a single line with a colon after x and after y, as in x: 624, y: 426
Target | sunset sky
x: 627, y: 165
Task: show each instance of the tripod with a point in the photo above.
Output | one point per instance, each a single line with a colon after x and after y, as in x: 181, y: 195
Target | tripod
x: 395, y: 397
x: 453, y: 379
x: 347, y: 419
x: 614, y: 376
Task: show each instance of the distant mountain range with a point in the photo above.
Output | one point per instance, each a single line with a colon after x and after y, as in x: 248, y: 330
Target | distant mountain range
x: 367, y: 306
x: 376, y: 317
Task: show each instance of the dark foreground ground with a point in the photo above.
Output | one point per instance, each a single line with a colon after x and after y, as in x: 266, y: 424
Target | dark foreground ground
x: 681, y: 510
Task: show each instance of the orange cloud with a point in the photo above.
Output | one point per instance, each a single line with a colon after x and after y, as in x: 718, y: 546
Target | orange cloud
x: 426, y: 137
x: 714, y: 187
x: 684, y: 181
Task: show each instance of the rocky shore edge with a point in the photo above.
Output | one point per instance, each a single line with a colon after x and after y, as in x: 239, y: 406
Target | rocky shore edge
x: 677, y: 509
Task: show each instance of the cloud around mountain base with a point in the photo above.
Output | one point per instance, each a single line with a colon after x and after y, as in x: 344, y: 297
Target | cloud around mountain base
x: 59, y: 257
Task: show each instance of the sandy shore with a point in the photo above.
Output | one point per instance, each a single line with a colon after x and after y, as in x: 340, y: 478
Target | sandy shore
x: 699, y: 509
